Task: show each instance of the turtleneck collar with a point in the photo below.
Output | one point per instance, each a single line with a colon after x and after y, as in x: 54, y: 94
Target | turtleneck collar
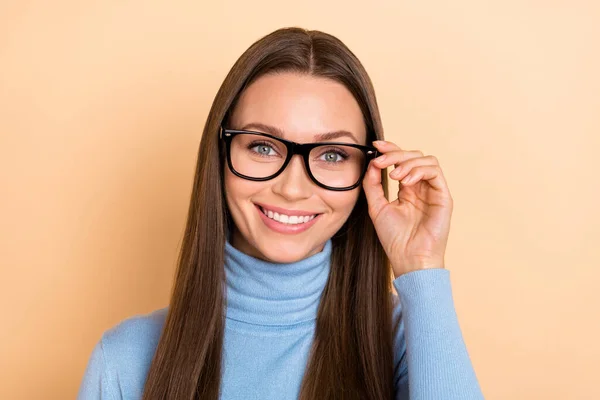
x: 265, y: 293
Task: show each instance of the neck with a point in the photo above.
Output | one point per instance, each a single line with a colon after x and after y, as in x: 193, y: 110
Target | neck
x: 268, y: 293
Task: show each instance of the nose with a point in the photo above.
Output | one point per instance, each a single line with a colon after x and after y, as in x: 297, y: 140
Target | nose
x: 294, y: 183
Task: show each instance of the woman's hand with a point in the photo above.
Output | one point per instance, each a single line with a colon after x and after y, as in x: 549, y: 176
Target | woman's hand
x: 414, y: 228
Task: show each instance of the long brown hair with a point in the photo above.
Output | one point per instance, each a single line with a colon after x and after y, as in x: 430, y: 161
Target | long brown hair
x: 352, y: 351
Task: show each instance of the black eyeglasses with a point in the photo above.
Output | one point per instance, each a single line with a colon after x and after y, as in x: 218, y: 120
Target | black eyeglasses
x: 331, y: 165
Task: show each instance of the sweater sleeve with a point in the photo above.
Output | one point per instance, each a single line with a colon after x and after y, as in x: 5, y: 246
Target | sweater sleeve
x: 431, y: 358
x: 96, y: 383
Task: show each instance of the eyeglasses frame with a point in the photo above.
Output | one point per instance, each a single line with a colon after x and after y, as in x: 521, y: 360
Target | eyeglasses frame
x: 293, y: 148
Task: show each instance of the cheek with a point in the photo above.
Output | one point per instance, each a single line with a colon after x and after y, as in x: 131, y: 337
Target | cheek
x: 229, y: 179
x: 239, y: 191
x: 235, y: 189
x: 341, y: 202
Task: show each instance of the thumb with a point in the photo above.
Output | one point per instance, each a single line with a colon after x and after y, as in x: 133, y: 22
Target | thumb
x: 374, y: 190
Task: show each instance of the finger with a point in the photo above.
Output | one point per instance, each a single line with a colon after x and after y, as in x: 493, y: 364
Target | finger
x: 430, y: 173
x: 395, y: 157
x: 385, y: 145
x: 374, y: 190
x: 404, y: 167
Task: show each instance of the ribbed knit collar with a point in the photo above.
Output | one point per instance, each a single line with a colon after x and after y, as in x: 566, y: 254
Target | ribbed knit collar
x: 265, y: 293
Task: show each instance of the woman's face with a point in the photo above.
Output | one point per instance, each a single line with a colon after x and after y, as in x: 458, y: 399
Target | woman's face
x: 299, y: 107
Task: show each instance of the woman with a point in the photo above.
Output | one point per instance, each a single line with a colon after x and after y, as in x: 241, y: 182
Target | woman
x: 283, y: 285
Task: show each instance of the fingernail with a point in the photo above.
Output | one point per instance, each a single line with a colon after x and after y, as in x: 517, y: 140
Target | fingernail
x: 380, y: 158
x: 406, y: 179
x: 379, y: 142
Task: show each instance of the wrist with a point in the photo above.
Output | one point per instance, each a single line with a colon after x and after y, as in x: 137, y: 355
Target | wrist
x: 403, y: 271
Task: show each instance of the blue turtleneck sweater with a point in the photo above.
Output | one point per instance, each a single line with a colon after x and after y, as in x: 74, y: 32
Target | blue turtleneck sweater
x: 271, y: 315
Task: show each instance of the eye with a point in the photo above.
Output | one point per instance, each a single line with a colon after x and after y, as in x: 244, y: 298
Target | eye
x: 264, y: 149
x: 333, y: 155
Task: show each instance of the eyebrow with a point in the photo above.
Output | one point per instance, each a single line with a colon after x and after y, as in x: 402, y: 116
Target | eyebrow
x: 321, y: 137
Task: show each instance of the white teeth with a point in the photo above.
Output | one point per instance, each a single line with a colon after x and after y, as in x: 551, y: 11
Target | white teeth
x: 287, y: 219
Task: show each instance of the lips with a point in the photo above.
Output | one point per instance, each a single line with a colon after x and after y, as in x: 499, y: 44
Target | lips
x: 283, y: 227
x: 287, y: 212
x: 287, y: 219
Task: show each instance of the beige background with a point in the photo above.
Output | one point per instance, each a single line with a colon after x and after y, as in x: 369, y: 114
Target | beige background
x: 101, y: 110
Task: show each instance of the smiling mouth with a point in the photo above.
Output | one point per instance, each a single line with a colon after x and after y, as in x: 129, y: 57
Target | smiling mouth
x: 287, y: 219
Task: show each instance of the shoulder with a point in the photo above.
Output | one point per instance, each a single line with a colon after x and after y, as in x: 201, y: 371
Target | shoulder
x: 134, y: 336
x: 129, y: 346
x: 136, y: 330
x: 121, y: 358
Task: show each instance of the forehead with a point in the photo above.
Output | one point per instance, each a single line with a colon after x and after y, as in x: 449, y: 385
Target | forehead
x: 301, y: 106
